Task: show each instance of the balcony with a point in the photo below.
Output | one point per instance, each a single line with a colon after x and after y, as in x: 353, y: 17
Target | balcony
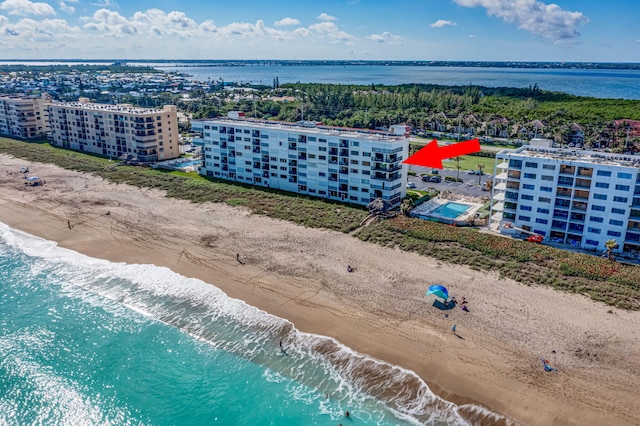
x: 579, y: 205
x: 583, y: 183
x: 563, y: 192
x: 567, y: 170
x: 583, y: 195
x: 585, y: 171
x: 514, y: 174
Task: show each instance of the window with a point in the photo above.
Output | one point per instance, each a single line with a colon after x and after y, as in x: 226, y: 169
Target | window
x: 622, y: 175
x: 546, y: 177
x: 616, y: 222
x: 614, y: 233
x: 543, y: 211
x: 525, y: 208
x: 620, y: 199
x: 594, y: 230
x: 544, y: 200
x: 598, y: 208
x: 618, y: 211
x: 549, y: 166
x: 591, y: 242
x: 322, y: 148
x: 531, y: 165
x: 355, y: 143
x: 527, y: 197
x: 524, y: 218
x: 529, y: 175
x: 542, y: 221
x: 528, y: 186
x: 603, y: 173
x: 602, y: 185
x: 599, y: 196
x: 355, y: 153
x: 546, y: 189
x: 622, y: 187
x: 596, y: 219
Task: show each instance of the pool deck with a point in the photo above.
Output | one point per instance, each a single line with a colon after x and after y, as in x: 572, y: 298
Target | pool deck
x: 425, y: 211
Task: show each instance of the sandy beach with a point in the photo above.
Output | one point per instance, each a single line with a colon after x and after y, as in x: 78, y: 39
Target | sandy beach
x: 379, y: 309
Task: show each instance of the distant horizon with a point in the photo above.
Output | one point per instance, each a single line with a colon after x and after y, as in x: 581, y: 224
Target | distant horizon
x: 427, y: 62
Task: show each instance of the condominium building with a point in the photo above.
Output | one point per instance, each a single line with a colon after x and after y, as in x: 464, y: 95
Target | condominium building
x: 146, y: 133
x: 350, y: 165
x: 582, y: 198
x: 24, y: 117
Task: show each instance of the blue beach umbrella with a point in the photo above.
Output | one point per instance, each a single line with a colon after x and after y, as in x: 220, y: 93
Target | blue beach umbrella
x: 438, y: 291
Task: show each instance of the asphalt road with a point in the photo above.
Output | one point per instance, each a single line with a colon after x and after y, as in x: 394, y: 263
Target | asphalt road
x: 468, y: 187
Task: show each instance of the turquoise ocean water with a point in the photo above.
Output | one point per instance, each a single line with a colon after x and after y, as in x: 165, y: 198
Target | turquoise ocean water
x: 89, y: 342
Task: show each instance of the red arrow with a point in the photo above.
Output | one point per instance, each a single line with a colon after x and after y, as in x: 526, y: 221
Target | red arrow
x: 432, y: 155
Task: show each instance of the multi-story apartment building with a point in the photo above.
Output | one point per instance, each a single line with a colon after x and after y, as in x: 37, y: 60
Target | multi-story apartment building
x: 24, y: 117
x: 350, y: 165
x: 583, y: 198
x: 115, y: 130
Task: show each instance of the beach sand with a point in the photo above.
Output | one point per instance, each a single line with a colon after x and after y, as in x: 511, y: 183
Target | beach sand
x: 379, y: 309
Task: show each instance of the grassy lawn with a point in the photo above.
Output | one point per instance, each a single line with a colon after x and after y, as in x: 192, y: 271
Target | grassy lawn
x: 470, y: 162
x: 613, y: 283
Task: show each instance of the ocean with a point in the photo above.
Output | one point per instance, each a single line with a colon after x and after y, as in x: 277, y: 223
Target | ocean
x: 597, y: 83
x: 85, y: 341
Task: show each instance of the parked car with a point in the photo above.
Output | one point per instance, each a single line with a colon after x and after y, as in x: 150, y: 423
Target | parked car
x: 436, y: 179
x: 471, y: 172
x: 434, y: 171
x: 426, y: 178
x: 411, y: 185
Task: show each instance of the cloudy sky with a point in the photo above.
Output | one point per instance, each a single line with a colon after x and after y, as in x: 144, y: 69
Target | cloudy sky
x: 519, y: 30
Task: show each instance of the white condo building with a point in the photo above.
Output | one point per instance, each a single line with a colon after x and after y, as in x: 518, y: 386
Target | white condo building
x: 349, y: 165
x: 583, y: 198
x: 146, y: 133
x: 24, y: 117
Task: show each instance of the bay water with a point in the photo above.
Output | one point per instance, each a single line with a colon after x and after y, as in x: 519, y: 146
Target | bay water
x: 85, y: 341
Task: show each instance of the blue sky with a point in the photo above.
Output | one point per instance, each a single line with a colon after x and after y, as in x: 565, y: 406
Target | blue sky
x: 506, y: 30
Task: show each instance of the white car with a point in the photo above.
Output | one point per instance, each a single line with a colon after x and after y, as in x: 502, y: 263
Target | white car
x: 411, y: 185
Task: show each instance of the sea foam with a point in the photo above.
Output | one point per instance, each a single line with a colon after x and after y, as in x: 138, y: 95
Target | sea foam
x: 207, y: 314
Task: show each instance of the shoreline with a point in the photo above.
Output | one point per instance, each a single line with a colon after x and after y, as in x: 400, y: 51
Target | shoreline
x: 299, y: 274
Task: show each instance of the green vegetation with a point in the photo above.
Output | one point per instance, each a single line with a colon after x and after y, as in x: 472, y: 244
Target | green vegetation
x: 470, y: 162
x: 613, y: 283
x: 609, y: 282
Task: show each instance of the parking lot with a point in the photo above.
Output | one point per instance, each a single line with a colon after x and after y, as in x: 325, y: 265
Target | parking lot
x: 468, y: 187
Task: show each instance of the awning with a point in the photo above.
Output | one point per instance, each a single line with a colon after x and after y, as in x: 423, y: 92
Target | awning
x: 503, y: 165
x: 499, y: 196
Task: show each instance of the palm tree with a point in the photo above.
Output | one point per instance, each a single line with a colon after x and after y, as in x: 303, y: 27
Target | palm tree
x: 611, y: 245
x: 480, y: 167
x: 457, y: 168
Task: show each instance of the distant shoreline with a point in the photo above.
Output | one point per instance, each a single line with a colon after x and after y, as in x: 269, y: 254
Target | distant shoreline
x: 283, y: 62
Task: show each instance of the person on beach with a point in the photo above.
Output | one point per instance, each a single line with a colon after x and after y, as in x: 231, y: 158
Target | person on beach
x: 69, y: 223
x: 453, y: 329
x: 349, y: 268
x: 346, y: 414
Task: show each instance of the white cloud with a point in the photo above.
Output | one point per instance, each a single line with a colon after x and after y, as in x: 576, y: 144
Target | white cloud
x: 442, y: 23
x: 472, y: 36
x: 545, y: 20
x: 105, y: 3
x: 385, y: 37
x: 331, y: 30
x: 66, y: 8
x: 326, y: 17
x: 26, y: 7
x: 286, y: 21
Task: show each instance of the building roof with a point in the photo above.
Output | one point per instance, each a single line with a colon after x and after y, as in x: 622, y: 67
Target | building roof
x: 560, y: 154
x: 312, y: 127
x: 122, y: 108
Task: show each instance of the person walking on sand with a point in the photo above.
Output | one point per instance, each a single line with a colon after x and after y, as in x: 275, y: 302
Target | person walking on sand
x: 69, y: 223
x: 453, y: 329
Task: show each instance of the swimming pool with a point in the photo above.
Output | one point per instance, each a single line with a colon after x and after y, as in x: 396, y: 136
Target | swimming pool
x: 450, y: 210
